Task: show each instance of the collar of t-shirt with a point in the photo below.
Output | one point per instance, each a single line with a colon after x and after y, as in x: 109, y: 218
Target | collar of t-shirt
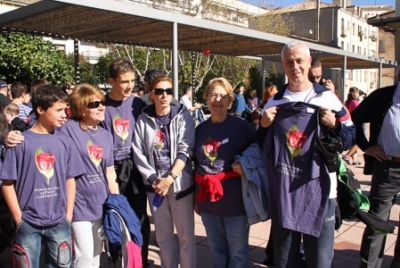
x: 302, y: 96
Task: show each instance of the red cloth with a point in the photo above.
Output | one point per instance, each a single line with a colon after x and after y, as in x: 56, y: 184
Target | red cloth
x: 211, y: 184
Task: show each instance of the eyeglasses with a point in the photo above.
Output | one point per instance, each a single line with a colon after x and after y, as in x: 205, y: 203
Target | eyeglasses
x: 95, y: 104
x: 215, y: 96
x: 160, y: 91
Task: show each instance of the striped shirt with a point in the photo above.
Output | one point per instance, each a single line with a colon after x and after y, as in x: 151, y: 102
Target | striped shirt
x: 389, y: 136
x: 24, y: 111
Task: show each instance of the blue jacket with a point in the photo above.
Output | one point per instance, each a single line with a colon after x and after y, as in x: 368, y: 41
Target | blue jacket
x: 254, y: 183
x: 112, y: 227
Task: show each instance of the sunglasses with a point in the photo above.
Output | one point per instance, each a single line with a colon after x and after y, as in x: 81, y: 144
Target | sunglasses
x: 95, y: 104
x: 160, y: 91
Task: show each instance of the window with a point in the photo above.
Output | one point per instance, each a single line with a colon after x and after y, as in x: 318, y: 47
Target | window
x: 381, y: 46
x: 342, y: 45
x: 354, y: 29
x: 353, y: 49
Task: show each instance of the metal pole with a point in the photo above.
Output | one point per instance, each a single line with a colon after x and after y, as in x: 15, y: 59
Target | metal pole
x: 175, y: 57
x: 263, y: 74
x: 76, y: 62
x: 193, y: 78
x: 318, y: 16
x: 341, y: 93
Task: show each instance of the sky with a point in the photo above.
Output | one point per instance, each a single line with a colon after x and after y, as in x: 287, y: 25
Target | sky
x: 283, y: 3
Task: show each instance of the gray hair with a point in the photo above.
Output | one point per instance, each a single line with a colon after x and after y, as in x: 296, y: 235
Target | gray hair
x: 292, y: 44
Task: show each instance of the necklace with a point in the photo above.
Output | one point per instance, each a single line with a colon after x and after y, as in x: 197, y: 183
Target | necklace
x: 163, y: 120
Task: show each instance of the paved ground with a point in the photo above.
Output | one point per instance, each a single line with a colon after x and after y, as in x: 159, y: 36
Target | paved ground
x: 347, y: 243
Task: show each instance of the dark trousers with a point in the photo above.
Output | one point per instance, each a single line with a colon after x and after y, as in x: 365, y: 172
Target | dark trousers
x: 131, y: 185
x: 318, y: 251
x: 385, y: 185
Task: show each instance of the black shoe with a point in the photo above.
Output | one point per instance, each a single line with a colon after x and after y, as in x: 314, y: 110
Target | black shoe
x: 269, y: 261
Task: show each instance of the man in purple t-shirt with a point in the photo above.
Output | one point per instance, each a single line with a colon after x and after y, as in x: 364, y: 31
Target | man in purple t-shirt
x: 39, y: 185
x: 122, y: 110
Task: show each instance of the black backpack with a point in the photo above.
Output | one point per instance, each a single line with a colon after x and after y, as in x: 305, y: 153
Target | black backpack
x: 352, y: 203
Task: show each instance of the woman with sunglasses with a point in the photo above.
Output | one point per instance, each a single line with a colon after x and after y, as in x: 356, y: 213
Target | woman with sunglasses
x: 163, y: 147
x: 219, y: 197
x: 95, y: 146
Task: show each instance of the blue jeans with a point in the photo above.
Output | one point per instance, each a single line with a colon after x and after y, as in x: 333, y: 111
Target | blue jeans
x: 318, y: 251
x: 28, y: 241
x: 228, y: 240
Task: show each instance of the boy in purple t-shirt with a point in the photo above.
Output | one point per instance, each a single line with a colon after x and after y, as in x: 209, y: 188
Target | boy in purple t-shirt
x: 39, y: 185
x: 120, y: 120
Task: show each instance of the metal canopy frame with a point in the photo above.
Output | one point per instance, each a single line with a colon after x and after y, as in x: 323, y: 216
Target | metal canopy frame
x: 110, y: 21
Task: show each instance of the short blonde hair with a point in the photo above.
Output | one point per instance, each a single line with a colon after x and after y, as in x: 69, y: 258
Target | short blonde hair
x: 80, y: 98
x: 11, y: 108
x: 220, y: 81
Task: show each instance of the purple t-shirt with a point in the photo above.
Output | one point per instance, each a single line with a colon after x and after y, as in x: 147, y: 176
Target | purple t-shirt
x: 40, y: 167
x: 96, y: 150
x: 120, y: 120
x: 215, y: 149
x: 161, y: 151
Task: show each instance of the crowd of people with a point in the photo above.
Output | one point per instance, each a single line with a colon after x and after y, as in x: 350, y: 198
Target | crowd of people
x: 70, y: 149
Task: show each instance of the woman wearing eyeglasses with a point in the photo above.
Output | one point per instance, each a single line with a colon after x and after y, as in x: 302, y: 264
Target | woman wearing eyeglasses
x: 219, y: 191
x: 163, y: 147
x: 95, y: 146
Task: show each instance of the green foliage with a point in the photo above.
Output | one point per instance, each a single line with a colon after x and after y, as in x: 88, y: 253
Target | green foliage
x: 273, y: 23
x: 88, y: 72
x: 272, y: 77
x: 25, y: 57
x: 255, y: 81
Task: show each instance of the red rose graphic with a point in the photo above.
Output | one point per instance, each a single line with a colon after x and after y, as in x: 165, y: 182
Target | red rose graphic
x: 159, y: 140
x: 95, y: 153
x: 210, y: 149
x: 295, y: 141
x: 45, y: 163
x: 121, y: 127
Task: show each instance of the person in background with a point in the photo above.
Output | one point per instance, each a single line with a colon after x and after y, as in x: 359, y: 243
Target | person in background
x: 186, y: 99
x: 6, y: 220
x: 135, y: 91
x: 163, y: 147
x: 21, y: 96
x: 253, y: 102
x: 351, y: 103
x: 36, y: 83
x: 95, y: 146
x: 381, y: 109
x: 315, y: 75
x: 68, y: 88
x: 149, y: 75
x: 268, y: 93
x: 141, y: 90
x: 11, y: 112
x: 4, y: 100
x: 39, y: 185
x: 239, y: 105
x: 221, y: 207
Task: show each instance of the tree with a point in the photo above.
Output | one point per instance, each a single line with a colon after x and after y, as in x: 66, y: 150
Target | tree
x: 273, y: 23
x: 255, y: 81
x: 26, y: 57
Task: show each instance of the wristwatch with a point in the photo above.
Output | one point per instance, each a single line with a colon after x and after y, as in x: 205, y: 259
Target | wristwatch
x: 172, y: 175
